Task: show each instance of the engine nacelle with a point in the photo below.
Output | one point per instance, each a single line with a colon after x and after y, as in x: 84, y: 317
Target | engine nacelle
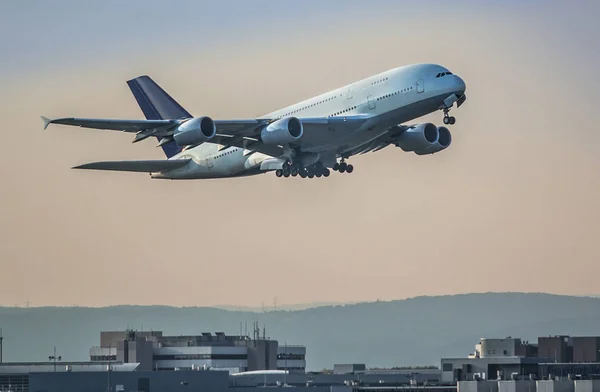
x: 443, y: 142
x: 195, y: 131
x: 283, y: 131
x: 419, y: 137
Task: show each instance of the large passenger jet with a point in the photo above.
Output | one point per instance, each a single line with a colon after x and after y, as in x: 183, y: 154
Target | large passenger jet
x: 306, y: 139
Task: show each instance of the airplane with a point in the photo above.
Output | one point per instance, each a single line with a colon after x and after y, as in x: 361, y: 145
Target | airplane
x: 307, y: 139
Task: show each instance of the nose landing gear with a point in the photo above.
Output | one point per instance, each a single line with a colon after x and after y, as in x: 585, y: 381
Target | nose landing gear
x: 448, y: 120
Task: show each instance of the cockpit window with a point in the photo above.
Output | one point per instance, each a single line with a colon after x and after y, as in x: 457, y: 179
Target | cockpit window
x: 443, y: 74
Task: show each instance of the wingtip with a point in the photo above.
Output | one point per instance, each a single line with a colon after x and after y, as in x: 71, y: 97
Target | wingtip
x: 47, y: 121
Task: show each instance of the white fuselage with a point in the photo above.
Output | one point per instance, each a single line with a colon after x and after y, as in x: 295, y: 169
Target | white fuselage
x: 390, y: 98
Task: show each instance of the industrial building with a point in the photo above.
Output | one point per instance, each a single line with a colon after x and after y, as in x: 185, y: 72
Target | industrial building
x: 131, y: 361
x: 153, y: 351
x: 555, y: 357
x: 530, y: 386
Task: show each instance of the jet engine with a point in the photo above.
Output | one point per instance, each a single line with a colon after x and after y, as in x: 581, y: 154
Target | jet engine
x: 419, y: 137
x: 283, y: 131
x: 195, y: 131
x: 443, y: 142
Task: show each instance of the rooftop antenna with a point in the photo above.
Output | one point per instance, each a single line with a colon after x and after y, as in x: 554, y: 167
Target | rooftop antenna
x: 1, y: 337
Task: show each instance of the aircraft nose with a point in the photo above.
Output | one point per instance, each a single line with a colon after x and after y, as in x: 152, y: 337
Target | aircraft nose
x: 461, y: 86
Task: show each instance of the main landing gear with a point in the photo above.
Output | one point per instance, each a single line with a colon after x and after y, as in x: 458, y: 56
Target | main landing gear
x: 448, y: 120
x: 343, y: 167
x: 316, y: 170
x: 312, y: 171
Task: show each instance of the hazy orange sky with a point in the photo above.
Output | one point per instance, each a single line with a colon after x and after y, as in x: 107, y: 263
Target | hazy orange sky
x: 513, y: 205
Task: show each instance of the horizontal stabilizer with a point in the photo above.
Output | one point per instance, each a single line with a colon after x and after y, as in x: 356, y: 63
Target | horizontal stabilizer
x: 136, y: 166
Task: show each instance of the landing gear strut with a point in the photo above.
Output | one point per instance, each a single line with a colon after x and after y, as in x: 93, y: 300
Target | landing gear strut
x: 448, y: 120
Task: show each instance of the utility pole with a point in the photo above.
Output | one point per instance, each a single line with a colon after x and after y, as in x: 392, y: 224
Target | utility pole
x: 108, y: 389
x: 1, y: 345
x: 286, y: 368
x: 54, y: 358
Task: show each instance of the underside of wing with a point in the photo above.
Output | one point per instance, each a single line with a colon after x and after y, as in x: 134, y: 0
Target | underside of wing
x: 249, y: 134
x: 153, y: 166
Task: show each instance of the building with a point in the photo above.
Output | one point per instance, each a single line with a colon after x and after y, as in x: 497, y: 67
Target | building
x: 507, y: 347
x: 586, y: 349
x: 553, y: 357
x: 558, y: 348
x: 291, y: 358
x: 234, y: 353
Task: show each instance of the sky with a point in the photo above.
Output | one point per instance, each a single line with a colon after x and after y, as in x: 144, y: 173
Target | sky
x: 512, y: 205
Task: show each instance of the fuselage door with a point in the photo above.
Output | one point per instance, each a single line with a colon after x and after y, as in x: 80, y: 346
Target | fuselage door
x: 420, y: 86
x: 371, y: 102
x: 209, y: 161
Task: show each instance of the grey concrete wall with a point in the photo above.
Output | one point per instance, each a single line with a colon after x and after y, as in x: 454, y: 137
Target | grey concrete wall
x: 477, y: 386
x: 517, y: 386
x: 555, y: 386
x: 141, y: 351
x: 587, y: 385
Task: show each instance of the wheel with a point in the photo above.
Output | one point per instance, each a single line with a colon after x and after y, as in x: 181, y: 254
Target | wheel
x: 446, y: 120
x: 286, y: 173
x: 319, y: 174
x: 349, y: 169
x: 326, y: 172
x: 294, y: 172
x: 452, y: 120
x: 279, y: 172
x: 310, y: 175
x: 302, y: 174
x: 336, y: 167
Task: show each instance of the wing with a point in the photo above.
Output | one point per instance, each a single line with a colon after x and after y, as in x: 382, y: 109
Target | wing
x: 109, y: 124
x: 136, y: 166
x: 238, y: 133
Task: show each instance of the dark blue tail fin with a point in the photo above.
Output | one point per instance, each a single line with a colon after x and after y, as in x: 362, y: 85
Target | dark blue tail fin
x: 156, y: 104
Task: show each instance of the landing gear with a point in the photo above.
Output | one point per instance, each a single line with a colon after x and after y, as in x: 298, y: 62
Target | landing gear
x: 343, y: 167
x: 312, y: 171
x: 448, y: 120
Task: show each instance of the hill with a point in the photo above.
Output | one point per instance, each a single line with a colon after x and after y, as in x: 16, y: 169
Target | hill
x: 414, y: 331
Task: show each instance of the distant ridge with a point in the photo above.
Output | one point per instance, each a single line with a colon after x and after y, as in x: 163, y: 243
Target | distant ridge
x: 417, y: 330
